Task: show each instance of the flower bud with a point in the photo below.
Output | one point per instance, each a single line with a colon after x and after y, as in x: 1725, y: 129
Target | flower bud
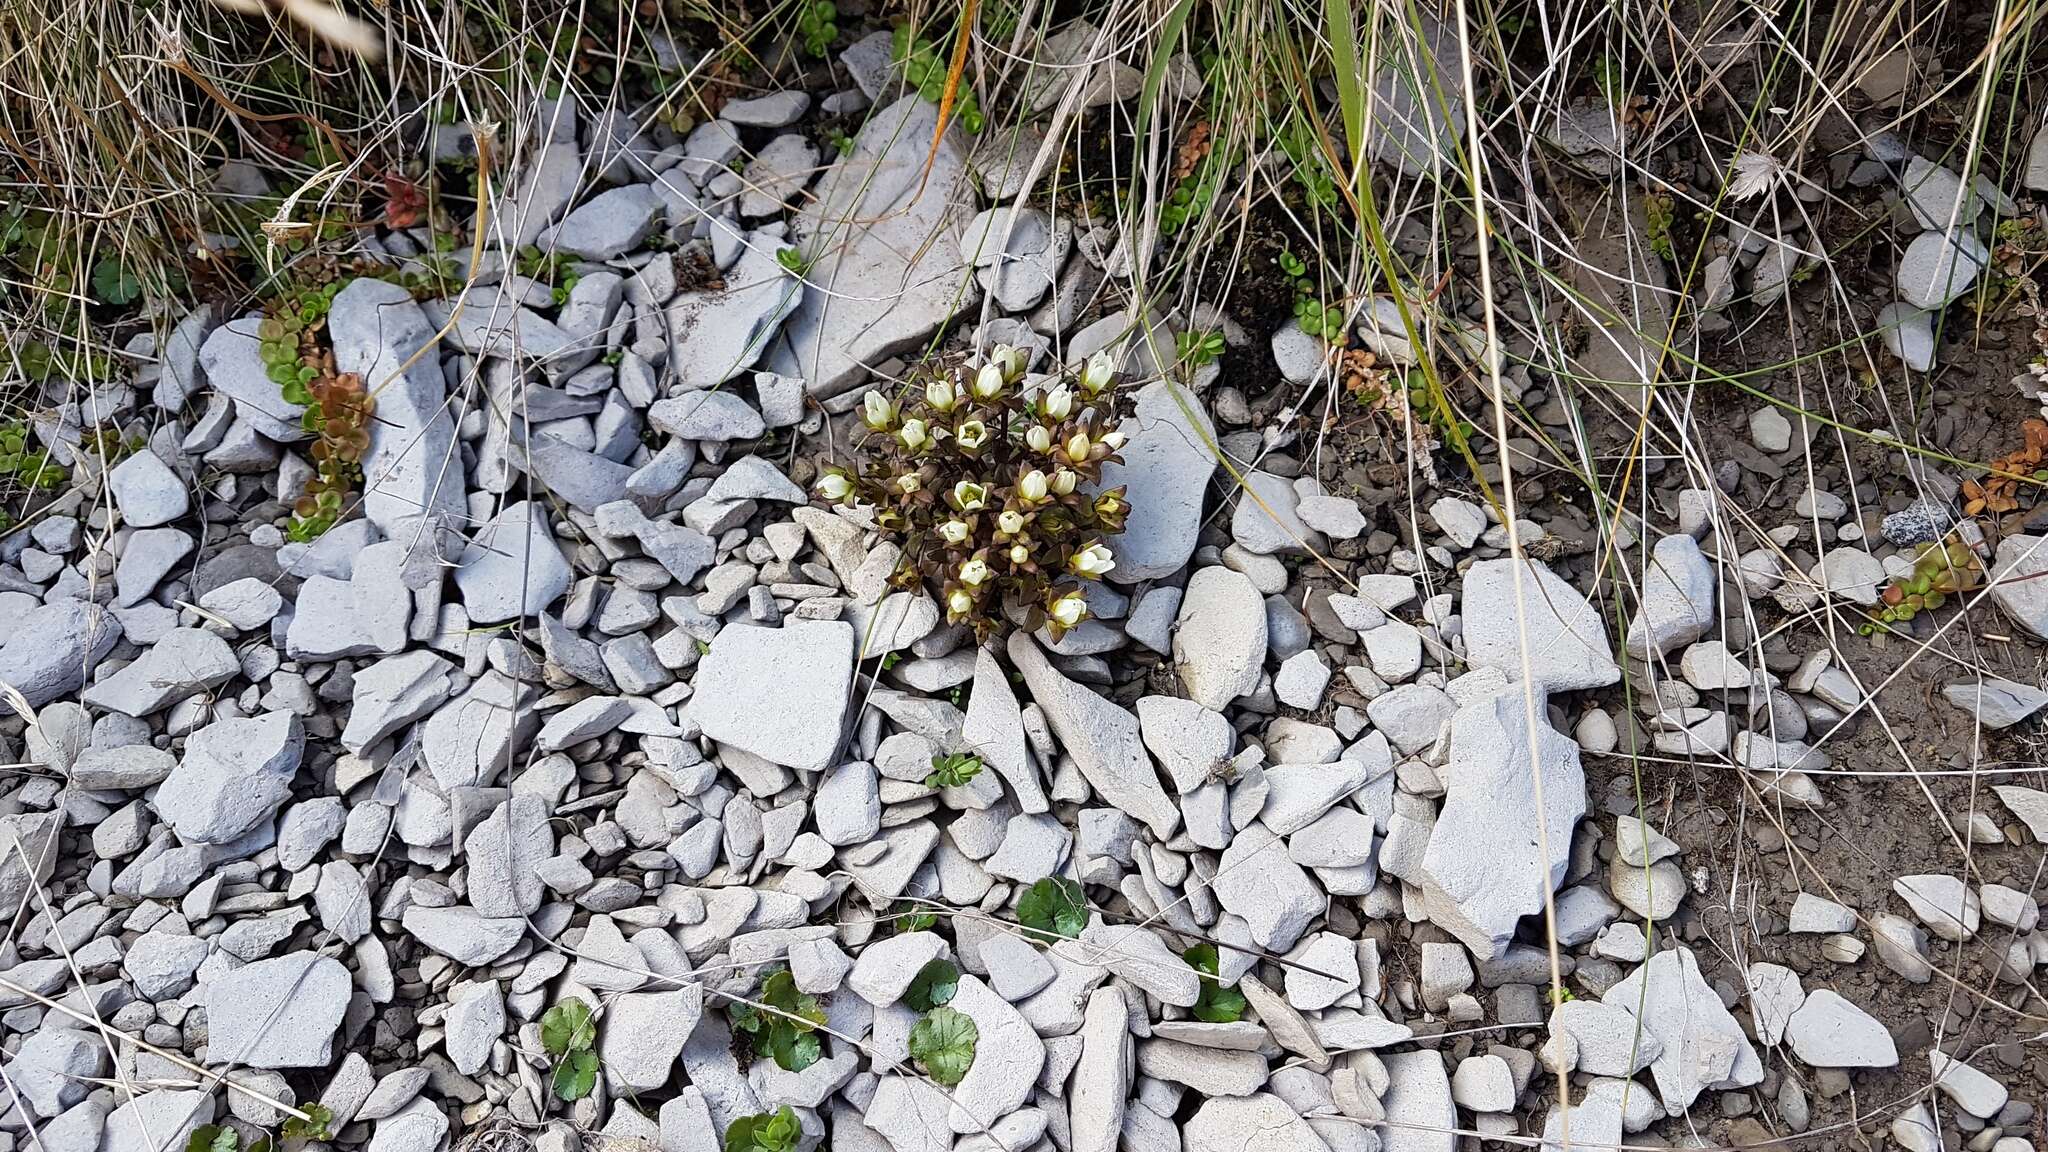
x: 988, y: 382
x: 1069, y: 610
x: 1114, y: 438
x: 1092, y: 561
x: 941, y: 394
x: 953, y: 531
x: 1010, y: 359
x: 1077, y: 446
x: 974, y: 572
x: 1096, y: 376
x: 913, y: 434
x: 1032, y: 488
x: 834, y: 486
x: 909, y: 482
x: 877, y: 411
x: 1039, y: 439
x: 1063, y: 482
x: 960, y: 602
x: 1010, y: 522
x: 1019, y: 554
x: 1059, y: 402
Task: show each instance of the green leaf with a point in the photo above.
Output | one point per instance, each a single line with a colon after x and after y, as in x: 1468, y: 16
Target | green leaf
x: 213, y: 1138
x: 953, y: 771
x: 776, y: 1131
x: 567, y: 1027
x: 1217, y: 1005
x: 1054, y: 907
x: 576, y: 1074
x: 794, y: 1051
x: 319, y: 1127
x: 935, y: 984
x: 942, y: 1043
x: 113, y: 283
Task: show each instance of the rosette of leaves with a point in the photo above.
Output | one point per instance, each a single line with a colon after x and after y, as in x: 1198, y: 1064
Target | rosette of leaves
x: 789, y: 1033
x: 777, y: 1131
x: 1940, y: 570
x: 986, y: 486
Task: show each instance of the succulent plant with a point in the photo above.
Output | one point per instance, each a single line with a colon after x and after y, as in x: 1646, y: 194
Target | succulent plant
x: 988, y: 484
x: 1940, y: 570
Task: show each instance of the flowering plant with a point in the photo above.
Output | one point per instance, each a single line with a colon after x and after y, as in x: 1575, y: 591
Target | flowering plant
x: 989, y: 487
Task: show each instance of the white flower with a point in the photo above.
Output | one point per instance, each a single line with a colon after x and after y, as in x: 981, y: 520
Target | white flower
x: 960, y: 603
x: 971, y: 435
x: 988, y: 382
x: 974, y: 572
x: 953, y: 531
x: 1039, y: 438
x: 1096, y: 376
x: 1011, y: 522
x: 1069, y: 610
x: 1114, y: 438
x: 834, y: 486
x: 1059, y: 402
x: 941, y: 394
x: 1092, y: 561
x: 1063, y: 482
x: 913, y: 434
x: 909, y: 482
x: 1077, y: 446
x: 1019, y: 554
x: 1032, y: 488
x: 877, y: 411
x: 969, y: 496
x: 1010, y: 359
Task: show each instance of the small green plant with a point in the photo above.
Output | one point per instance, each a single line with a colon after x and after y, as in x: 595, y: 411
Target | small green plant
x: 953, y: 771
x: 1198, y: 349
x: 113, y: 282
x: 569, y: 1034
x: 987, y: 490
x: 919, y: 59
x: 318, y: 1125
x: 1940, y: 570
x: 1190, y: 199
x: 817, y: 25
x: 1325, y: 321
x: 793, y: 262
x: 24, y: 463
x: 214, y: 1138
x: 1053, y: 908
x: 942, y: 1042
x: 934, y: 985
x: 789, y: 1034
x: 1218, y: 1005
x: 840, y: 141
x: 1660, y: 213
x: 904, y: 916
x: 777, y: 1131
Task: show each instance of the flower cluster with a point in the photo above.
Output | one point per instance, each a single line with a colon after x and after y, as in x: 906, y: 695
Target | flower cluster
x: 989, y: 487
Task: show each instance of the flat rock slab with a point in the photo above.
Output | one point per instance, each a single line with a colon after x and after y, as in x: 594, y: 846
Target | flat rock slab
x: 279, y: 1013
x: 883, y: 241
x: 412, y: 476
x: 778, y: 693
